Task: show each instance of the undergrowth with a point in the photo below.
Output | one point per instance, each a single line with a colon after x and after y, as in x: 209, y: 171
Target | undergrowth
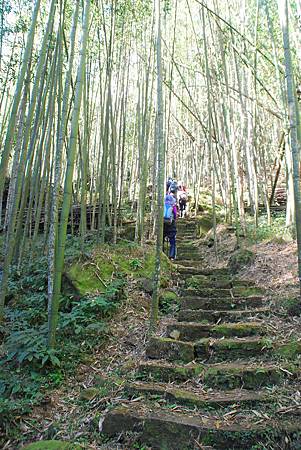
x: 28, y: 369
x: 277, y: 231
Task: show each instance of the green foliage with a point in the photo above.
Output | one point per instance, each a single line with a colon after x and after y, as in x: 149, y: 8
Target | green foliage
x: 136, y: 264
x: 277, y: 231
x: 169, y: 302
x: 30, y: 345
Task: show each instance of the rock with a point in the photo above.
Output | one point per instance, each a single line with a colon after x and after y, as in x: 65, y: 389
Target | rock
x: 175, y: 334
x: 88, y: 394
x: 241, y: 258
x: 147, y: 285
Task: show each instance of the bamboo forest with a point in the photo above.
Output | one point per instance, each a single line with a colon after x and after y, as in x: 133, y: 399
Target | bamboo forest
x: 150, y: 224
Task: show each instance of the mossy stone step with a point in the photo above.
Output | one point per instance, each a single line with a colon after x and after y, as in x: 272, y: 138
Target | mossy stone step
x: 208, y: 348
x: 191, y: 331
x: 236, y: 291
x: 230, y: 349
x: 237, y: 315
x: 170, y: 349
x: 191, y: 263
x: 188, y: 237
x: 231, y: 376
x: 169, y: 372
x: 221, y: 376
x: 206, y: 292
x: 182, y: 256
x: 213, y: 399
x: 188, y: 252
x: 52, y: 445
x: 247, y: 291
x: 190, y: 268
x: 204, y: 282
x: 222, y: 303
x: 164, y: 430
x: 187, y: 244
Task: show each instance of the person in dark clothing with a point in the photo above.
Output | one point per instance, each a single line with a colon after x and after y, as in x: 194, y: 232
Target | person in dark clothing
x: 170, y: 224
x: 182, y: 196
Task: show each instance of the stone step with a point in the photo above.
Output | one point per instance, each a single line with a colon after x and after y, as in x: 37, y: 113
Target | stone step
x: 170, y: 349
x: 197, y: 270
x: 213, y: 282
x: 192, y: 257
x: 222, y: 303
x: 206, y: 293
x: 192, y: 283
x: 199, y: 315
x: 222, y: 376
x: 231, y: 348
x: 190, y: 263
x: 236, y: 291
x: 169, y: 430
x: 191, y: 331
x: 206, y: 348
x: 213, y: 399
x: 187, y: 252
x: 221, y: 349
x: 248, y: 376
x: 188, y: 237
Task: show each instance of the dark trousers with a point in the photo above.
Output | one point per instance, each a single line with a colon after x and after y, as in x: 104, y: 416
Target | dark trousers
x: 172, y: 247
x: 182, y: 204
x: 170, y: 232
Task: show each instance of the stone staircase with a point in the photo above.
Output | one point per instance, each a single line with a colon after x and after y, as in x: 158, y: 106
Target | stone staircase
x: 215, y: 380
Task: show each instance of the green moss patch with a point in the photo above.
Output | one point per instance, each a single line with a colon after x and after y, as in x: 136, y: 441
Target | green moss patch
x: 247, y: 291
x: 290, y: 350
x: 91, y: 276
x: 52, y: 445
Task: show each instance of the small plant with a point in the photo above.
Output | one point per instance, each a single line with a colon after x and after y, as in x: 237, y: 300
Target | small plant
x: 30, y: 346
x: 136, y: 264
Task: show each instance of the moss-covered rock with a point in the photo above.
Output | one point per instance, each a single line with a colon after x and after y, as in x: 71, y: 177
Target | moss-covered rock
x: 90, y: 275
x: 204, y: 224
x: 89, y: 393
x: 241, y: 258
x: 85, y: 279
x: 52, y: 445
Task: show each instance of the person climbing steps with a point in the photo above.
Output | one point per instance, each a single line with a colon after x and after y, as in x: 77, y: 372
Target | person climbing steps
x: 170, y: 224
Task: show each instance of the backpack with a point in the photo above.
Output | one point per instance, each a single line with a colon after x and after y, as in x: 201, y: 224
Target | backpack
x: 168, y: 209
x: 183, y: 196
x: 173, y: 186
x: 168, y: 214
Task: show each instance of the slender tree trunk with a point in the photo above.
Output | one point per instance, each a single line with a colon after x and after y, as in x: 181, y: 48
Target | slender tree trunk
x: 160, y: 151
x: 293, y: 113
